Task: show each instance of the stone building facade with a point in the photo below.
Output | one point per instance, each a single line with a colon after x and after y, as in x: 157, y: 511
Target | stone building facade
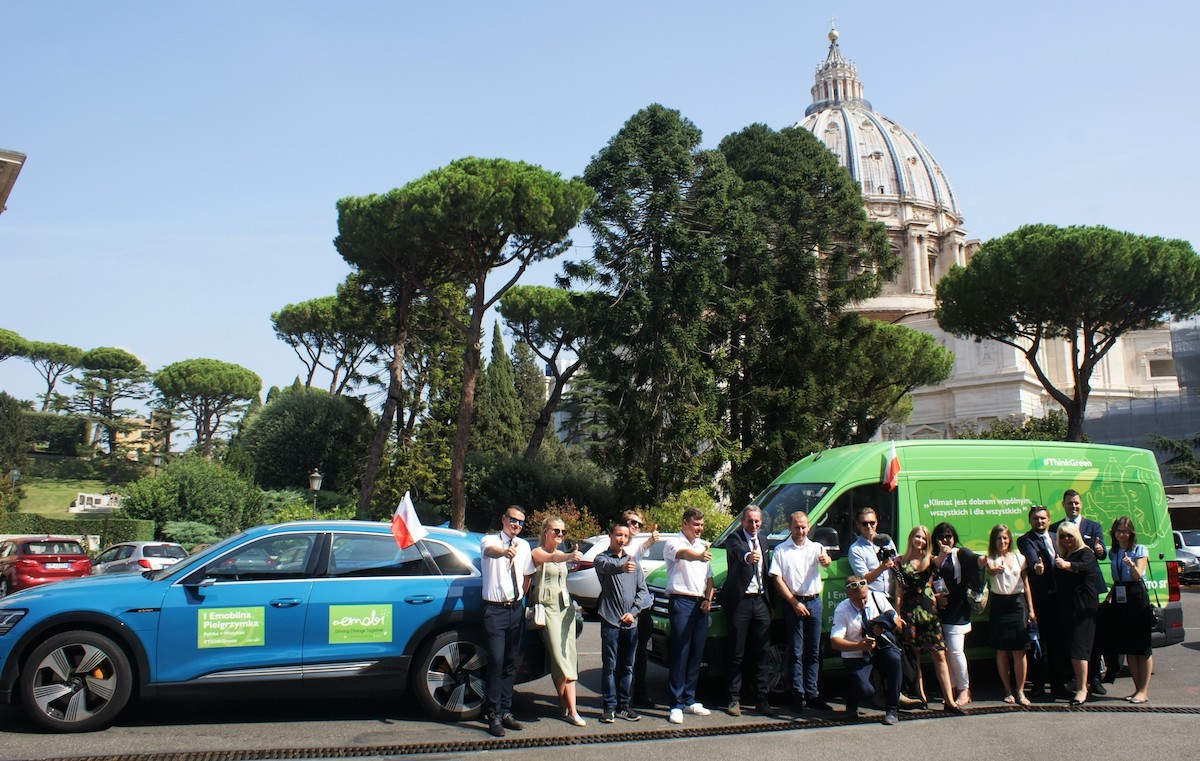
x: 905, y: 188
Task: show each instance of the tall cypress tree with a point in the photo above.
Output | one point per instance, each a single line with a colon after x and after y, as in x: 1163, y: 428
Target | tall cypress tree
x: 497, y: 426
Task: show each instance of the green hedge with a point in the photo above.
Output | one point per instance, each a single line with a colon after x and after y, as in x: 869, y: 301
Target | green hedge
x: 119, y: 529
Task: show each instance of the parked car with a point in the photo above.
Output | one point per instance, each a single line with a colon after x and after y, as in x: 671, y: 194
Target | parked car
x: 31, y: 561
x: 320, y: 608
x: 136, y: 557
x: 582, y: 581
x: 1187, y: 552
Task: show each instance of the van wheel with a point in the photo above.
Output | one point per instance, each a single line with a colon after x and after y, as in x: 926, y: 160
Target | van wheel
x: 448, y: 675
x: 778, y: 680
x: 75, y: 682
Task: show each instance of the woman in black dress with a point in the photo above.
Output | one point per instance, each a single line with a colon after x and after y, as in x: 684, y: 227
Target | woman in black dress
x: 1128, y: 630
x: 1075, y: 571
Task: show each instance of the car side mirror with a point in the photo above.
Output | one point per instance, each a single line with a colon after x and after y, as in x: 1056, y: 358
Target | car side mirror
x: 828, y: 536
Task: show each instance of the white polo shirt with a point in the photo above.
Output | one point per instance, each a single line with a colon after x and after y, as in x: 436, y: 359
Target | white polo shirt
x: 497, y: 578
x: 686, y: 577
x: 798, y: 566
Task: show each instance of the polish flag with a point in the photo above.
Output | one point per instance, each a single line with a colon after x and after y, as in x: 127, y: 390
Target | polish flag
x: 891, y: 470
x: 406, y: 526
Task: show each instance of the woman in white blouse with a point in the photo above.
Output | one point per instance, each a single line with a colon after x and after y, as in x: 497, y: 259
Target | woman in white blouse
x: 1011, y: 612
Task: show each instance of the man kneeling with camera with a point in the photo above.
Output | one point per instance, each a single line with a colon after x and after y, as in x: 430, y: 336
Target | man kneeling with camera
x: 865, y: 631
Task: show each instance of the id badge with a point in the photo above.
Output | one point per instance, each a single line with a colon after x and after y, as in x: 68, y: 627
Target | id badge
x: 1120, y: 597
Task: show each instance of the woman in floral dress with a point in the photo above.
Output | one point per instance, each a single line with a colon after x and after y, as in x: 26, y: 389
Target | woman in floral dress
x: 923, y: 634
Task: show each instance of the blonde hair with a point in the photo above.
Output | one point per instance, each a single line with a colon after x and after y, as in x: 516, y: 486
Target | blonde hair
x: 1068, y: 529
x: 908, y: 549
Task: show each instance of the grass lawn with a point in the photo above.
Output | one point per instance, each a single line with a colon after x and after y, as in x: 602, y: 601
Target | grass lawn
x: 53, y: 497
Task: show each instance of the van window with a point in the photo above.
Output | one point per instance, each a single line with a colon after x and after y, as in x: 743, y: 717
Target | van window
x: 778, y: 503
x: 841, y: 513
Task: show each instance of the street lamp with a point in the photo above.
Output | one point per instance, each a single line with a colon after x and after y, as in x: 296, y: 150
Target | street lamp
x: 13, y: 476
x: 314, y: 484
x: 156, y: 460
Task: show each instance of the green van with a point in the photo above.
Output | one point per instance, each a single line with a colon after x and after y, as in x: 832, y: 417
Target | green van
x: 969, y: 483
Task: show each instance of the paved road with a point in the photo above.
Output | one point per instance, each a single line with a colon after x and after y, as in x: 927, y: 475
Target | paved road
x: 180, y: 727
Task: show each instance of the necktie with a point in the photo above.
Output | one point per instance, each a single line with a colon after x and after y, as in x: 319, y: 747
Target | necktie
x: 512, y: 572
x: 758, y: 565
x: 866, y: 629
x: 1046, y: 543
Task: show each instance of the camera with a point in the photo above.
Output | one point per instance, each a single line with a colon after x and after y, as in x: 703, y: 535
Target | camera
x: 885, y: 554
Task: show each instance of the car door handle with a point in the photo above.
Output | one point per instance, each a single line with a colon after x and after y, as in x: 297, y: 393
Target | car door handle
x: 418, y: 599
x: 286, y: 602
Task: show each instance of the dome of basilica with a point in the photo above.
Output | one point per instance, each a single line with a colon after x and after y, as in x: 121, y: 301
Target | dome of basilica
x: 902, y: 184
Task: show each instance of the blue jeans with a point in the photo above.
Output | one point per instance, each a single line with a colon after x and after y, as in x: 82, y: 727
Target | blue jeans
x: 804, y: 656
x: 617, y: 646
x: 689, y: 627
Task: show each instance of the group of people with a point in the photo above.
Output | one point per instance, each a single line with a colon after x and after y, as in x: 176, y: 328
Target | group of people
x: 1043, y: 591
x: 511, y: 568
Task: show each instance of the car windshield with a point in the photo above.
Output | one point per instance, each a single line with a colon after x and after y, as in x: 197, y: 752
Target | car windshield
x: 1191, y: 538
x: 164, y: 551
x: 778, y: 503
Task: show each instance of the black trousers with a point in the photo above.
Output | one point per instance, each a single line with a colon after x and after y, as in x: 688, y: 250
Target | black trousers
x: 502, y: 629
x: 748, y: 636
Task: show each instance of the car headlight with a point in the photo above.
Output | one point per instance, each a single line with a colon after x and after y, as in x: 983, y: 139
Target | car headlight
x: 9, y: 619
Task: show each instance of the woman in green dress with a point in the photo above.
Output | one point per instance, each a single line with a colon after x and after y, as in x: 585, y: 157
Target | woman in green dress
x: 914, y: 573
x: 550, y: 589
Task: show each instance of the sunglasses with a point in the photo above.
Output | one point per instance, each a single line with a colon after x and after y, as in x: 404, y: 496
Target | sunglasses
x: 632, y: 522
x: 515, y: 521
x: 868, y: 523
x: 558, y: 531
x: 856, y: 584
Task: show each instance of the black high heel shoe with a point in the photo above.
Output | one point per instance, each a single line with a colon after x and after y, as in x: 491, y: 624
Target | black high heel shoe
x: 953, y: 708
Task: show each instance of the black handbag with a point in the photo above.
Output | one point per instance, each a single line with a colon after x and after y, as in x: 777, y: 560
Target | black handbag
x: 1154, y: 613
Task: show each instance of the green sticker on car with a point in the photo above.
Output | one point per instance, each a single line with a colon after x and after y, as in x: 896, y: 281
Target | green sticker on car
x: 360, y: 623
x: 231, y: 627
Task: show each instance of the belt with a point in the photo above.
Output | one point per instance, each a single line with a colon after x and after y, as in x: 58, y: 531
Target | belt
x: 806, y: 598
x: 507, y: 604
x: 687, y: 597
x: 753, y: 594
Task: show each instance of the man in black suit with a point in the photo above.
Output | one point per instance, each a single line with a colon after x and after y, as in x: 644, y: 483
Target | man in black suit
x: 1037, y: 545
x: 1093, y: 537
x: 747, y: 612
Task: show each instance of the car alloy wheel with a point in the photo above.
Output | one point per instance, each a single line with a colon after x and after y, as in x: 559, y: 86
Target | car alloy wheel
x: 75, y: 682
x: 448, y: 675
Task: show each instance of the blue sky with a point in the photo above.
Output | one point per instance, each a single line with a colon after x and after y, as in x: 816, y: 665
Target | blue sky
x: 184, y: 158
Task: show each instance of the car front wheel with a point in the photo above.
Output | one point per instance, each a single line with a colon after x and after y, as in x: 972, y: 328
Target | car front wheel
x: 448, y: 675
x: 75, y: 682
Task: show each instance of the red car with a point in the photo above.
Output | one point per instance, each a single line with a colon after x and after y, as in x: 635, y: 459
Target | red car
x: 32, y: 560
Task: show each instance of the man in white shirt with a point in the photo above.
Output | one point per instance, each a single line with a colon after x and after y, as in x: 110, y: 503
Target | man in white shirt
x: 866, y: 632
x: 507, y: 566
x: 864, y: 554
x: 689, y: 599
x: 796, y: 570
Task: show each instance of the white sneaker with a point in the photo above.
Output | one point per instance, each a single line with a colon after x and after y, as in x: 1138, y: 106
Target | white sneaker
x: 676, y: 716
x: 698, y: 709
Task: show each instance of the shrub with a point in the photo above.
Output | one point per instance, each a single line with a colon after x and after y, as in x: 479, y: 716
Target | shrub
x: 495, y: 483
x: 191, y: 488
x: 669, y: 515
x: 190, y: 533
x: 579, y: 524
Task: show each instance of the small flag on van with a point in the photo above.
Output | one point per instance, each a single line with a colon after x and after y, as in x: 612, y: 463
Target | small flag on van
x: 891, y: 470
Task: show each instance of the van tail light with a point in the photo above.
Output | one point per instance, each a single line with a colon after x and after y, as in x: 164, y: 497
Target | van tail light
x: 578, y: 565
x: 1173, y: 580
x: 144, y: 563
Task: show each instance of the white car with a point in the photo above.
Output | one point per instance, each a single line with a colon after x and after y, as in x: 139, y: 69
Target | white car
x: 1187, y: 552
x: 582, y: 581
x: 136, y: 557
